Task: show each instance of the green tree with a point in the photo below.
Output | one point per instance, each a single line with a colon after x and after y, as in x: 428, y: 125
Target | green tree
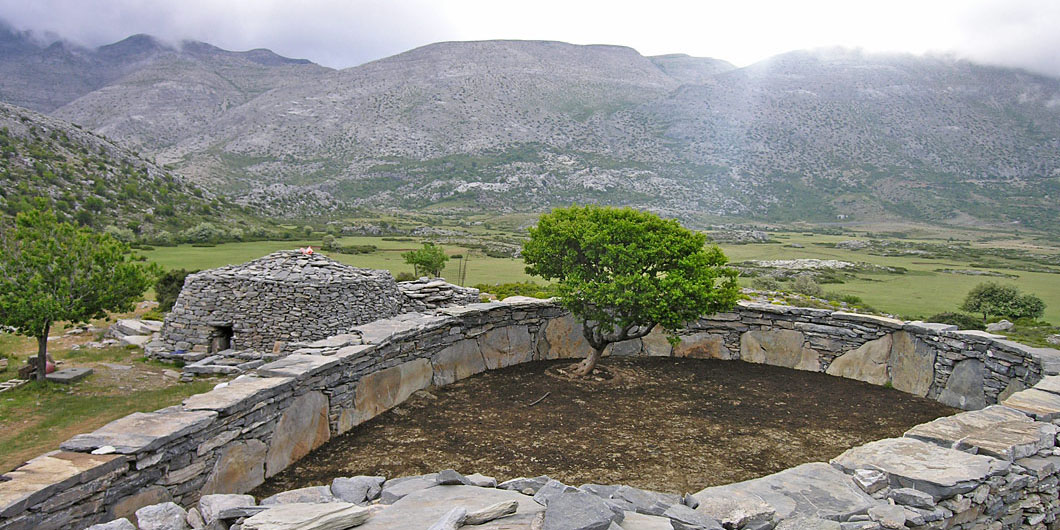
x: 168, y: 287
x: 622, y: 272
x: 992, y: 298
x: 427, y: 261
x: 53, y: 271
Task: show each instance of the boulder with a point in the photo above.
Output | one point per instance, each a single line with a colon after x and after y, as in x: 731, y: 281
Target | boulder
x: 810, y: 490
x: 578, y: 510
x: 357, y: 490
x: 117, y: 524
x: 1000, y: 325
x: 867, y: 363
x: 396, y: 489
x: 312, y: 494
x: 482, y: 481
x: 211, y: 506
x: 424, y: 507
x: 550, y: 490
x: 523, y: 484
x: 911, y: 463
x: 565, y: 339
x: 782, y: 347
x: 656, y: 343
x: 964, y: 388
x: 380, y: 391
x: 702, y: 345
x: 912, y: 364
x: 808, y: 523
x: 165, y: 516
x: 690, y: 519
x: 301, y: 516
x: 459, y: 360
x: 302, y: 427
x: 1053, y: 339
x: 450, y: 477
x: 239, y: 469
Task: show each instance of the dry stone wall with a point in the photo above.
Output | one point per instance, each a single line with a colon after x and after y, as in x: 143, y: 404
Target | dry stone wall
x: 230, y: 439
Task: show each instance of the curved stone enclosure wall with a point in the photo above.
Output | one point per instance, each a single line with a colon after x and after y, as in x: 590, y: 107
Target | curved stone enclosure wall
x: 233, y: 437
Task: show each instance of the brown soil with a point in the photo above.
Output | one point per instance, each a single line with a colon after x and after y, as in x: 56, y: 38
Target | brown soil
x: 674, y: 425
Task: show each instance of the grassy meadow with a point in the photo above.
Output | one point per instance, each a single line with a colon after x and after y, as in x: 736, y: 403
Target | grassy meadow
x: 920, y: 292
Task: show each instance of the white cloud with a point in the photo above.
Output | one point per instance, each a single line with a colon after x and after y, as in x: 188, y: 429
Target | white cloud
x: 345, y: 33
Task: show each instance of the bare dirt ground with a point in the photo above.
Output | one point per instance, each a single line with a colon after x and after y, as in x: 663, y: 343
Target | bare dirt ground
x: 675, y: 425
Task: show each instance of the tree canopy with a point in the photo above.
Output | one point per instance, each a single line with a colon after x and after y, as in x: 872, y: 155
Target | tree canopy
x: 623, y: 271
x: 992, y: 298
x: 427, y: 261
x: 54, y: 271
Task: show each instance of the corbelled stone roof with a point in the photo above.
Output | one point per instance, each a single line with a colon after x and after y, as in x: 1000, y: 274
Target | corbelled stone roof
x: 296, y: 267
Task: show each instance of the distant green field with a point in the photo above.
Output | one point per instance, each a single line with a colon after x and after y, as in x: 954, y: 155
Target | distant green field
x: 919, y: 293
x: 480, y: 269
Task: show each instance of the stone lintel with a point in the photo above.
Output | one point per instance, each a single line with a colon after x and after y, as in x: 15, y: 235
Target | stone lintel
x: 142, y: 431
x: 238, y: 394
x: 49, y: 474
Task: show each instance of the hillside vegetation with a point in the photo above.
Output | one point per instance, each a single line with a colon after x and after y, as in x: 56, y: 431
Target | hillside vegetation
x: 90, y: 180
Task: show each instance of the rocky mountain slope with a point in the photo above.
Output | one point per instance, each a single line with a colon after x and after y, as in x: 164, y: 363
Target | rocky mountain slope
x: 90, y: 180
x: 524, y: 125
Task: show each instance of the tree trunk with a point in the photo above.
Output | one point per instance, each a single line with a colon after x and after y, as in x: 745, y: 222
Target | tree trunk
x: 42, y: 354
x: 586, y: 367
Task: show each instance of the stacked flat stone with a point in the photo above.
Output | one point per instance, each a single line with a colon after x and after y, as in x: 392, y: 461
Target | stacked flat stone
x: 283, y: 298
x: 230, y: 439
x: 426, y: 294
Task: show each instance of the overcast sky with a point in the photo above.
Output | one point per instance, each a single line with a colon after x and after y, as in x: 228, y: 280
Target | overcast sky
x: 337, y: 33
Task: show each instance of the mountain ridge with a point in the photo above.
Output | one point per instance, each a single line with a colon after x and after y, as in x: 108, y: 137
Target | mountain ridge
x: 524, y: 125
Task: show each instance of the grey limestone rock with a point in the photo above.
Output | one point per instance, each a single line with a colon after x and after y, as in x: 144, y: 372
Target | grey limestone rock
x: 304, y: 516
x: 358, y: 490
x: 491, y: 512
x: 912, y: 497
x: 450, y: 477
x: 311, y: 494
x: 164, y: 516
x: 452, y: 520
x: 395, y: 489
x: 809, y: 523
x: 523, y: 484
x: 578, y: 510
x: 684, y: 518
x: 211, y: 506
x: 550, y: 490
x: 117, y: 524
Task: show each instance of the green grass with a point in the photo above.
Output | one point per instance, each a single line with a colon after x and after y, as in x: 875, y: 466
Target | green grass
x: 481, y: 269
x: 918, y: 293
x: 39, y: 416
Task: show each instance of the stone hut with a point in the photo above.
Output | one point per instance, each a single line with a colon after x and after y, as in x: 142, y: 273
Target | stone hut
x: 288, y: 296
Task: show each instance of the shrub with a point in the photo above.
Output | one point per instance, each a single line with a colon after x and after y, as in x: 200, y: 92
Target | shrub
x: 168, y: 287
x: 805, y: 284
x: 405, y: 276
x: 961, y: 320
x: 765, y: 283
x: 504, y: 290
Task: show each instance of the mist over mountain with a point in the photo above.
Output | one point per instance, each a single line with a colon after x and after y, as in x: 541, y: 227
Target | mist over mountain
x: 524, y: 125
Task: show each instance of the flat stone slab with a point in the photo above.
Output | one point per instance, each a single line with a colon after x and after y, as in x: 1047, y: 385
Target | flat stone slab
x: 238, y: 394
x: 142, y: 431
x: 68, y: 375
x: 1036, y: 403
x: 926, y: 467
x: 423, y: 508
x: 380, y: 331
x: 996, y: 431
x: 304, y: 516
x: 49, y: 474
x: 1049, y: 384
x: 810, y: 490
x: 297, y: 366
